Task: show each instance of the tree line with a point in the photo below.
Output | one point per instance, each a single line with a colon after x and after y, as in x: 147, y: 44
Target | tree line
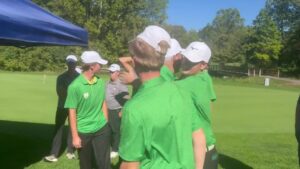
x: 272, y: 41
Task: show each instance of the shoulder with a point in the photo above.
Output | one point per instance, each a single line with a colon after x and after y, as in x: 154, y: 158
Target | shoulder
x: 100, y: 80
x: 133, y: 103
x: 120, y: 83
x: 75, y: 83
x: 185, y: 82
x: 61, y: 76
x: 131, y: 109
x: 192, y: 83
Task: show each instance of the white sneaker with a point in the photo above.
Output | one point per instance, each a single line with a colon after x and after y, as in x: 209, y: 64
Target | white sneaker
x: 114, y: 154
x: 70, y: 156
x: 51, y: 158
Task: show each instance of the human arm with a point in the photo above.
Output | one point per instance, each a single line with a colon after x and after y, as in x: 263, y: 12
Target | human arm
x: 199, y: 146
x: 105, y: 110
x: 71, y: 104
x: 123, y: 96
x: 198, y: 136
x: 73, y: 125
x: 129, y: 165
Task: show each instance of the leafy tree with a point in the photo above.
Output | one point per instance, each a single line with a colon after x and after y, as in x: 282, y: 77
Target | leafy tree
x: 264, y: 43
x: 290, y: 57
x: 225, y: 36
x: 285, y: 13
x: 35, y: 58
x: 183, y: 36
x: 111, y: 24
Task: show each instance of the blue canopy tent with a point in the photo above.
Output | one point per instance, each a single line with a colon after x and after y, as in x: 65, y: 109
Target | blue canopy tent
x: 23, y: 23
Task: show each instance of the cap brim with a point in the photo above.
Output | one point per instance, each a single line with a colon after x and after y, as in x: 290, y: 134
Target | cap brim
x: 191, y: 56
x: 111, y: 70
x: 102, y: 62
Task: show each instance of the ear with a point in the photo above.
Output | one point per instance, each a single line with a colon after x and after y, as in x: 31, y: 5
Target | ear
x: 203, y: 66
x: 136, y: 60
x: 178, y: 56
x: 92, y: 67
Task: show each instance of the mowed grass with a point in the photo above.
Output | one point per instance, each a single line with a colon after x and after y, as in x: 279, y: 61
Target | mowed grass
x: 254, y: 125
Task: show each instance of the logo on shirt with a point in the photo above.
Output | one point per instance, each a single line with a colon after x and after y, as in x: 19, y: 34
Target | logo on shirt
x: 85, y: 95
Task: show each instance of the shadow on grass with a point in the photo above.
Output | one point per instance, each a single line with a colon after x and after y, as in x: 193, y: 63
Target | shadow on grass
x: 231, y: 163
x: 22, y: 144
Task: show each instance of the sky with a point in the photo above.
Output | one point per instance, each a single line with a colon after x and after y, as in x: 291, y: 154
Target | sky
x: 196, y: 14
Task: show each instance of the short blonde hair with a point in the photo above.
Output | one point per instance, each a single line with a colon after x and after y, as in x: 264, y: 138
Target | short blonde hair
x: 147, y: 57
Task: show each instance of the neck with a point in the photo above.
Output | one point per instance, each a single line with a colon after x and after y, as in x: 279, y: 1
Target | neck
x: 88, y: 75
x: 145, y: 76
x: 169, y: 63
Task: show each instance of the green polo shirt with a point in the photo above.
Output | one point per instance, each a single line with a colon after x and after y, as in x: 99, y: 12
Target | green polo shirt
x: 87, y: 98
x: 167, y: 74
x: 157, y: 126
x: 212, y: 93
x: 198, y: 87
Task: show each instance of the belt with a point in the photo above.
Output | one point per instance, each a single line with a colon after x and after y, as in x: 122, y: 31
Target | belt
x: 209, y: 148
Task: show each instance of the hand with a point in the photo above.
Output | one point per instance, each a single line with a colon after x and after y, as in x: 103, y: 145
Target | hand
x: 76, y: 142
x: 120, y: 114
x: 127, y: 61
x: 128, y: 77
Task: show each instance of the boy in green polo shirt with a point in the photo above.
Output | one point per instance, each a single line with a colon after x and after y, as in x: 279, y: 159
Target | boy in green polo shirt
x: 160, y: 128
x: 198, y: 45
x: 197, y: 82
x: 88, y: 114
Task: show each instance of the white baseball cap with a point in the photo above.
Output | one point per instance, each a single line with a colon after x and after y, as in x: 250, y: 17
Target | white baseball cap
x: 71, y: 58
x: 114, y: 67
x: 197, y: 52
x: 78, y: 70
x: 92, y: 57
x: 174, y: 49
x: 153, y: 35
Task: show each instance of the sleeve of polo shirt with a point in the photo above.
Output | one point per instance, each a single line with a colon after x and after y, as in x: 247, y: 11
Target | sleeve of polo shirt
x: 131, y: 146
x: 200, y: 92
x: 197, y: 122
x: 213, y: 96
x: 72, y: 98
